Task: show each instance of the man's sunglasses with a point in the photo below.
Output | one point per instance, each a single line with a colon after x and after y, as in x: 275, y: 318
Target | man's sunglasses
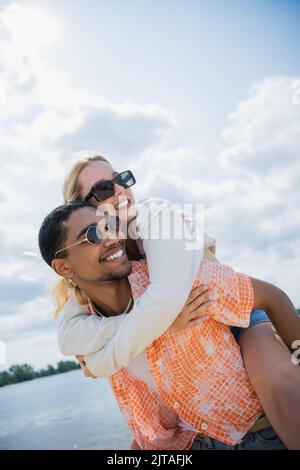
x: 93, y: 235
x: 105, y: 189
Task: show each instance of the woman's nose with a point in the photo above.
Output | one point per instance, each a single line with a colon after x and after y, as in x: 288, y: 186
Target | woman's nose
x: 119, y: 190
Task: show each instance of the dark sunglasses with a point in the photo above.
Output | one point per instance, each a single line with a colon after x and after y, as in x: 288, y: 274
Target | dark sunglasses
x: 105, y: 189
x: 93, y: 235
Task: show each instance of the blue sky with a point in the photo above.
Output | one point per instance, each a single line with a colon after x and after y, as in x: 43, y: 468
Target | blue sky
x: 196, y: 97
x: 195, y: 57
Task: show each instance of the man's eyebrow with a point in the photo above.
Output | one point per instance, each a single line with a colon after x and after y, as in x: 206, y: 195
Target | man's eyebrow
x: 82, y: 232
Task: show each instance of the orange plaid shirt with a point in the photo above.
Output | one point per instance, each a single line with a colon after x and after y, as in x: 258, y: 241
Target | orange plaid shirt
x: 199, y: 372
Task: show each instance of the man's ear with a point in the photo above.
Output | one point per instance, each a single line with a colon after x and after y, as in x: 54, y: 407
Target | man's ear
x: 62, y: 267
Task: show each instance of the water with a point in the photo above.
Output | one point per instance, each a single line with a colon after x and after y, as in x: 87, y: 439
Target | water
x: 64, y: 411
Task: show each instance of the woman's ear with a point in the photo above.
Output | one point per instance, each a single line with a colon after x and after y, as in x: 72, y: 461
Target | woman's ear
x: 62, y: 267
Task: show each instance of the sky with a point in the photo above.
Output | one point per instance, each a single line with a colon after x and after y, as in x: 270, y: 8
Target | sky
x: 200, y: 99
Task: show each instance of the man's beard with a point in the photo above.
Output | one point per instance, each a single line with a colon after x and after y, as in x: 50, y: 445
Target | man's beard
x: 114, y: 276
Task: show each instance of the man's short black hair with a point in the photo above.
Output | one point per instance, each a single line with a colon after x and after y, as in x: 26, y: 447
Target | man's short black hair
x: 53, y: 232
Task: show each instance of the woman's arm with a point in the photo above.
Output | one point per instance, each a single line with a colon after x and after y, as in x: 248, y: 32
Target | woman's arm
x: 193, y: 313
x: 172, y: 269
x: 79, y: 332
x: 280, y: 309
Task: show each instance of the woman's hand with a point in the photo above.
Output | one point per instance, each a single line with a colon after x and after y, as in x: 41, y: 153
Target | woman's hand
x: 195, y: 308
x: 193, y: 313
x: 84, y: 368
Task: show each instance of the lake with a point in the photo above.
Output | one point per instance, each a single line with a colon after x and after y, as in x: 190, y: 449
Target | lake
x: 63, y: 411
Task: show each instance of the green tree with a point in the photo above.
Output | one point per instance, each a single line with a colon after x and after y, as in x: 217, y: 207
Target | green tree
x: 22, y: 372
x: 51, y: 370
x: 65, y: 366
x: 5, y: 378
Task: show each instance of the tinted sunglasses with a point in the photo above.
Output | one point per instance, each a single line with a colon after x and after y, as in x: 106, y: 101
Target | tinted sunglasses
x: 105, y: 189
x: 93, y: 235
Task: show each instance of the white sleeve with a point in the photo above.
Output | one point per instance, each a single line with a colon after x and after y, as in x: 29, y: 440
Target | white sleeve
x: 79, y: 332
x: 172, y: 270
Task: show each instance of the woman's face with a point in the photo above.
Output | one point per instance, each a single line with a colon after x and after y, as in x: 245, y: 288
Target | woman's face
x: 121, y: 201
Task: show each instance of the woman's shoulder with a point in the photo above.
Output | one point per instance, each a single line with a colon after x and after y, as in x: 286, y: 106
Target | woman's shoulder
x: 71, y: 308
x: 151, y: 209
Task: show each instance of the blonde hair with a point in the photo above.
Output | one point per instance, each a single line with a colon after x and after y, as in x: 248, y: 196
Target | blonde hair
x: 72, y: 188
x: 71, y: 192
x: 61, y: 294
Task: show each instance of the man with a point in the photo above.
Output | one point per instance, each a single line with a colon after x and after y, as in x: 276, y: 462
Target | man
x: 102, y: 273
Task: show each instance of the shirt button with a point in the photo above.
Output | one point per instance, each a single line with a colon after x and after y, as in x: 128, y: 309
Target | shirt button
x: 176, y: 404
x: 204, y: 426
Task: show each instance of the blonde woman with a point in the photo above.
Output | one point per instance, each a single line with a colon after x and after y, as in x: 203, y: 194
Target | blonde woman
x: 268, y: 362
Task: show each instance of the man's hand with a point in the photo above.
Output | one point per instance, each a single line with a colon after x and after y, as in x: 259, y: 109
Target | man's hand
x: 84, y: 368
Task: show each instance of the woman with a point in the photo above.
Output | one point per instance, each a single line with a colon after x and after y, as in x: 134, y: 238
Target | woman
x: 268, y: 362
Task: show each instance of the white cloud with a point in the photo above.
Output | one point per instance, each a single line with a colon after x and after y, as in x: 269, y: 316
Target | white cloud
x: 251, y: 190
x: 264, y: 132
x: 39, y: 350
x: 264, y: 150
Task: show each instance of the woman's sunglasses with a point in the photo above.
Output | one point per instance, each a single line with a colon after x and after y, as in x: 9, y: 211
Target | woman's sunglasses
x: 105, y: 189
x: 93, y: 235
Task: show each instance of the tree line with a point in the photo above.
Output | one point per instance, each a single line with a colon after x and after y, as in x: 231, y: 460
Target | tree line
x: 22, y: 372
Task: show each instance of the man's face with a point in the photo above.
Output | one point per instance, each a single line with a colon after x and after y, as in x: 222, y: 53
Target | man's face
x: 88, y: 262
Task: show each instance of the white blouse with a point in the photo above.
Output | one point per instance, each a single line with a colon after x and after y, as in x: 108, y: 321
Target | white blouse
x: 110, y: 343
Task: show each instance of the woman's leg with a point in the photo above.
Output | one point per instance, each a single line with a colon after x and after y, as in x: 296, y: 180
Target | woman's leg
x: 275, y: 379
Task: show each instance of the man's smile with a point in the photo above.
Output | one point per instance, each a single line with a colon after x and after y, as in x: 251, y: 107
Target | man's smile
x: 116, y: 255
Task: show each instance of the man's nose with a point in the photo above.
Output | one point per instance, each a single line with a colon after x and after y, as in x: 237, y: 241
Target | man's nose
x: 110, y: 239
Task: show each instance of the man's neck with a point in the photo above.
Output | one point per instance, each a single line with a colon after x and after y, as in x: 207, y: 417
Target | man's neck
x: 109, y: 297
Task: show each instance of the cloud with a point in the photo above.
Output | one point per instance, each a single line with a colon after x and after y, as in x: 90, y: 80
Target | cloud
x: 123, y: 131
x: 43, y: 115
x: 31, y: 317
x: 40, y: 349
x: 263, y: 154
x: 251, y: 189
x: 264, y: 132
